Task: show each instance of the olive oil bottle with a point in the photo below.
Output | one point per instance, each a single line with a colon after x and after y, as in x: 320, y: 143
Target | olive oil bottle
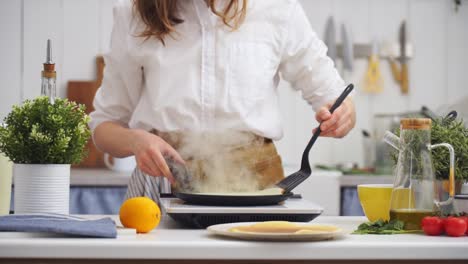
x: 414, y: 195
x: 49, y: 76
x: 411, y: 217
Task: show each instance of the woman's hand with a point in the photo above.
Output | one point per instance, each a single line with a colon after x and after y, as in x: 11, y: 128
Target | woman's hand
x: 340, y: 122
x: 149, y: 151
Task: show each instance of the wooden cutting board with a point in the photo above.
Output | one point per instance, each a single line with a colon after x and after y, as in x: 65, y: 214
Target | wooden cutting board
x: 83, y: 92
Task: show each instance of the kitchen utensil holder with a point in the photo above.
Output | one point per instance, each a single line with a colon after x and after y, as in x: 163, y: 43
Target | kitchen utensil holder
x: 387, y: 51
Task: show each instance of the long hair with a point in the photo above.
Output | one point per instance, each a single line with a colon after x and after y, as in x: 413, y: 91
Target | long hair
x: 161, y: 17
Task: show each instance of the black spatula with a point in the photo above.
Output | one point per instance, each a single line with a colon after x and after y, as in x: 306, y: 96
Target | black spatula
x: 293, y: 180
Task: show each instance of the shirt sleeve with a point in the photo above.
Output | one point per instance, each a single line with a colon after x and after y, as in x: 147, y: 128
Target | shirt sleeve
x: 305, y: 64
x: 121, y: 87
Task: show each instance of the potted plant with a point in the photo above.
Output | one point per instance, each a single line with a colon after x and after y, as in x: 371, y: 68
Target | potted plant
x: 454, y: 132
x: 43, y: 140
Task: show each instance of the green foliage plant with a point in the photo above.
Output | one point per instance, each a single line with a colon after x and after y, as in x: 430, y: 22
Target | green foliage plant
x: 38, y: 132
x: 456, y: 134
x: 453, y: 132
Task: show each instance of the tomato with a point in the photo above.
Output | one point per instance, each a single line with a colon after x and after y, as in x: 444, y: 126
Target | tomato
x: 455, y: 226
x: 432, y: 225
x: 444, y: 220
x: 465, y: 218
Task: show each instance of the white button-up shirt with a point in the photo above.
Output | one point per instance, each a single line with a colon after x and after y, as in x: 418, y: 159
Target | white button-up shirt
x: 208, y: 77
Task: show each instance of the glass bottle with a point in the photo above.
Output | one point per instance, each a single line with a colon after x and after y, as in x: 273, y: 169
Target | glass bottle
x: 49, y: 76
x: 414, y: 195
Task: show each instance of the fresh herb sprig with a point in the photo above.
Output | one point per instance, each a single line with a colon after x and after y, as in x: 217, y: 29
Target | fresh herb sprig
x: 381, y: 227
x: 456, y: 134
x: 449, y: 131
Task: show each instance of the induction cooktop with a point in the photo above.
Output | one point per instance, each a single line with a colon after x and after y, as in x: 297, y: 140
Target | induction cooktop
x: 202, y: 216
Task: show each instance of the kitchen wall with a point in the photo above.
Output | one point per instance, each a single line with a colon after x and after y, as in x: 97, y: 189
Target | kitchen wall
x: 80, y: 30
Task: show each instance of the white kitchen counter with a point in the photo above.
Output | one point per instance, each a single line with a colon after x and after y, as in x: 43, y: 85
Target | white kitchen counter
x: 171, y: 242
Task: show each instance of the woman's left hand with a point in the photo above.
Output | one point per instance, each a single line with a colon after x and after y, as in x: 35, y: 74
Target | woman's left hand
x: 339, y: 123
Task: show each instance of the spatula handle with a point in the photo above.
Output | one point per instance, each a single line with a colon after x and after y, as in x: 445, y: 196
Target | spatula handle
x: 342, y: 97
x: 305, y: 165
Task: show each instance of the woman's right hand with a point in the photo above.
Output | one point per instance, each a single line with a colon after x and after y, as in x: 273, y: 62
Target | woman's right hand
x: 150, y: 150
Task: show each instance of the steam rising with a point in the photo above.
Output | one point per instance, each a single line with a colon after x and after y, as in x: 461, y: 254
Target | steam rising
x: 216, y: 162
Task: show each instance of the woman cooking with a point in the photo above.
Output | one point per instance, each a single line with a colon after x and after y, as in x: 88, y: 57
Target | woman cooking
x: 198, y: 66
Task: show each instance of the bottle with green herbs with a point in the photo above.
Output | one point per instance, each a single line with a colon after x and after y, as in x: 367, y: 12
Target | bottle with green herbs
x: 414, y: 195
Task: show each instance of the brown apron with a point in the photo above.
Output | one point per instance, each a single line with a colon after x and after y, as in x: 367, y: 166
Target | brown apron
x: 259, y: 160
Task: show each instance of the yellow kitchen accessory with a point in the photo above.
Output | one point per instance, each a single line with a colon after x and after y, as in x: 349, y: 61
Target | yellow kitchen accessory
x: 414, y: 195
x: 401, y: 75
x: 373, y: 81
x: 404, y: 82
x: 375, y: 200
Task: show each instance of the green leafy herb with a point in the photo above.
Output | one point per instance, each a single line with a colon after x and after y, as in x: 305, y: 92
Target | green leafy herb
x: 38, y: 132
x: 381, y: 227
x: 455, y: 133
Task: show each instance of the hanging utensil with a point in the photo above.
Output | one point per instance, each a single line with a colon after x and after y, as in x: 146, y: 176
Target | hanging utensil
x: 404, y: 60
x: 373, y: 81
x: 401, y: 75
x: 330, y: 39
x: 348, y: 49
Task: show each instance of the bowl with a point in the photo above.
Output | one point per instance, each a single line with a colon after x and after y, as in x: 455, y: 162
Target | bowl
x: 460, y: 203
x: 375, y: 200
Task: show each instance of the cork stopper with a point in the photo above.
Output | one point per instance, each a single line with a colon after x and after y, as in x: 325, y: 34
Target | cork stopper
x: 416, y: 123
x: 49, y: 73
x: 49, y: 65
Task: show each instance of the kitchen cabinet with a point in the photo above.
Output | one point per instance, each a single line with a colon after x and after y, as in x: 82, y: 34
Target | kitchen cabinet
x: 171, y: 243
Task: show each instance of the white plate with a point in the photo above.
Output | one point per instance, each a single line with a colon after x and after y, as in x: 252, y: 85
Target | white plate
x: 223, y: 230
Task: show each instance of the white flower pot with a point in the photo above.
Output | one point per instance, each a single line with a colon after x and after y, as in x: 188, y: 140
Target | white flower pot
x: 41, y: 188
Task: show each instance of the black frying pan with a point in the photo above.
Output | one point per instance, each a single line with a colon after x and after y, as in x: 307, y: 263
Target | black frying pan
x: 184, y: 193
x: 232, y: 200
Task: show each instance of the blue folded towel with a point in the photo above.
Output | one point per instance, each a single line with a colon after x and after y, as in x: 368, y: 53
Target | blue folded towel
x: 59, y: 224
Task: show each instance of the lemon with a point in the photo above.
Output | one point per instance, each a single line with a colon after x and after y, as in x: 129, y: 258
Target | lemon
x: 140, y: 213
